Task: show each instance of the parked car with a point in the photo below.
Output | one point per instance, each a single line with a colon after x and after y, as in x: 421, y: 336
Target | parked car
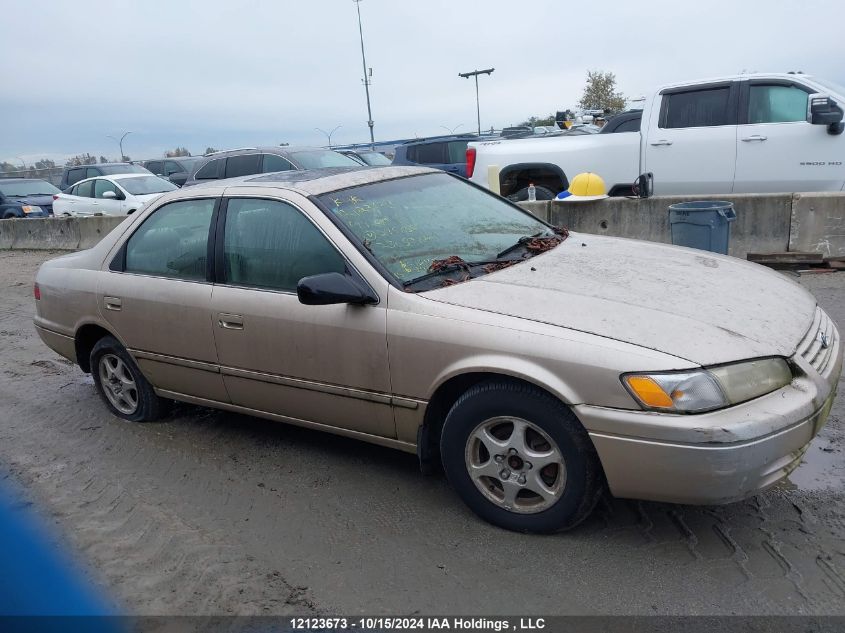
x: 368, y: 159
x: 176, y: 169
x: 756, y: 133
x: 406, y: 307
x: 72, y: 175
x: 26, y: 198
x: 122, y: 194
x: 261, y: 160
x: 441, y: 152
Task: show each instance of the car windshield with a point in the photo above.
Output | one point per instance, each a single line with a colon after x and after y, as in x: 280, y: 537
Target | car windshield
x: 28, y: 188
x: 409, y: 223
x: 374, y: 158
x: 124, y: 169
x: 143, y: 185
x: 317, y: 159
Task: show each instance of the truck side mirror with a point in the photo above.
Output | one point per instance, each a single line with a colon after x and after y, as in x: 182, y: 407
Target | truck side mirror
x: 644, y: 185
x: 822, y: 110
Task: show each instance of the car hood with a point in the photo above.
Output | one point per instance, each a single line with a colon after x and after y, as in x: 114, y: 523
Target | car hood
x: 695, y: 305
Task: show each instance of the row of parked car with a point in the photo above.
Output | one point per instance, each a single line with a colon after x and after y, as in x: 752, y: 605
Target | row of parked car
x: 123, y: 188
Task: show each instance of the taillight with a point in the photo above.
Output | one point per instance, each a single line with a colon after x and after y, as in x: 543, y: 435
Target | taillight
x: 37, y: 292
x: 470, y: 161
x: 55, y: 197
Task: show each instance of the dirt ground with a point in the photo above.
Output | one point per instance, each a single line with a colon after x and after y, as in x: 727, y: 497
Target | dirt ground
x: 209, y: 512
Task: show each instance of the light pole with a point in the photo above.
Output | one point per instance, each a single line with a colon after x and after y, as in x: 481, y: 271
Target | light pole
x: 366, y: 80
x: 451, y: 129
x: 329, y: 134
x: 476, y: 73
x: 120, y: 143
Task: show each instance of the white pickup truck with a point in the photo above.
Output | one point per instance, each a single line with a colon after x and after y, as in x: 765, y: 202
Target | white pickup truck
x: 744, y: 134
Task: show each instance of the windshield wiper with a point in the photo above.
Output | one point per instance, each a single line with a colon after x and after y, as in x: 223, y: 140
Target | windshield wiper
x: 522, y: 241
x: 449, y: 265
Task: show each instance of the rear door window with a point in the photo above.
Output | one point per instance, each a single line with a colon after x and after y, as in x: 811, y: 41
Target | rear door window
x: 429, y: 153
x: 173, y: 241
x: 697, y: 108
x: 244, y: 165
x: 75, y: 175
x: 85, y: 189
x: 211, y: 170
x: 274, y: 163
x: 155, y: 166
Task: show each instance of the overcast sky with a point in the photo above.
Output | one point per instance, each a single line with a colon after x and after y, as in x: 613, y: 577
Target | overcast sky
x: 227, y: 73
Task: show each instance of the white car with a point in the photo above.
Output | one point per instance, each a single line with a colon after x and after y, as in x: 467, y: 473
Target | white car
x: 119, y: 194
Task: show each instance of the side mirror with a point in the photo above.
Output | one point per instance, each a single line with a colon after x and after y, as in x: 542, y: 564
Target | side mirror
x: 822, y: 110
x: 109, y: 195
x: 179, y: 178
x: 332, y: 288
x: 644, y: 185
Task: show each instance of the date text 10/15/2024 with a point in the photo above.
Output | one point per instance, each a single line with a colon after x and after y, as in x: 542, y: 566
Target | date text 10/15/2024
x: 383, y: 623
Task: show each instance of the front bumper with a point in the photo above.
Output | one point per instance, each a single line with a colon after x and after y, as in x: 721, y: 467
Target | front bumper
x: 716, y: 457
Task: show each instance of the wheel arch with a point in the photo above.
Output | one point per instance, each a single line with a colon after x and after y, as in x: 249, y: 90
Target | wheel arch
x: 452, y: 385
x: 85, y: 339
x: 513, y: 177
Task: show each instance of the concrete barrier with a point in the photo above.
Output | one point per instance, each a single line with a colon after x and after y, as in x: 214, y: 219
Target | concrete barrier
x: 818, y: 224
x: 66, y: 234
x: 766, y: 223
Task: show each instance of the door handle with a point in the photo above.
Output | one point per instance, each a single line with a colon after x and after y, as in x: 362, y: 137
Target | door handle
x: 230, y: 321
x: 756, y: 137
x: 112, y: 303
x: 661, y: 142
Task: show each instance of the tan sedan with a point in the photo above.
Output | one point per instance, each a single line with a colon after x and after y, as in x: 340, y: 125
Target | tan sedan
x: 407, y: 307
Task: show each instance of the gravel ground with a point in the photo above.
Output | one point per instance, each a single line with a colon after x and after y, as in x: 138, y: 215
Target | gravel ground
x: 209, y: 512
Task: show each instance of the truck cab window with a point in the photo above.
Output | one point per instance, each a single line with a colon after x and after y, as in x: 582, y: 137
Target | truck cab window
x: 697, y: 108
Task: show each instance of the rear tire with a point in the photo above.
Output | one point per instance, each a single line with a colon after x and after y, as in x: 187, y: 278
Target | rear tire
x: 520, y: 459
x: 121, y: 385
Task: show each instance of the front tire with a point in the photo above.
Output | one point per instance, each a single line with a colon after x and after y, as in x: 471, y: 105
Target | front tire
x: 121, y: 385
x: 520, y: 459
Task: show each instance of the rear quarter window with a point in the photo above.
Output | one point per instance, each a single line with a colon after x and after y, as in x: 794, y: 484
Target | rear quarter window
x: 211, y: 170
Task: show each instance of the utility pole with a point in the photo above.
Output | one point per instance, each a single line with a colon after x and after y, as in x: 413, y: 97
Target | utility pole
x: 370, y: 121
x: 120, y: 143
x: 476, y: 73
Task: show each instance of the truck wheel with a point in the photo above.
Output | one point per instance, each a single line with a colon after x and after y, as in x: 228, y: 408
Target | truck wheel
x: 522, y: 195
x: 520, y: 459
x: 121, y: 384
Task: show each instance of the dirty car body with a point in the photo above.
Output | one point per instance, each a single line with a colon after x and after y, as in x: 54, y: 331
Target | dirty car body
x: 409, y: 308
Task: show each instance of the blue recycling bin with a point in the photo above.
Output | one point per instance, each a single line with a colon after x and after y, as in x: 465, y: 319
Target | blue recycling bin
x: 705, y: 225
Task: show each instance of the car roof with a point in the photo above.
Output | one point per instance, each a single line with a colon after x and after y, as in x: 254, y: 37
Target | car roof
x: 7, y: 180
x: 315, y: 182
x: 115, y: 177
x: 280, y: 150
x: 97, y: 165
x: 446, y: 137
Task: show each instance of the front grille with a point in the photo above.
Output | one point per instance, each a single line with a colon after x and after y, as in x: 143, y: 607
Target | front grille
x: 812, y: 347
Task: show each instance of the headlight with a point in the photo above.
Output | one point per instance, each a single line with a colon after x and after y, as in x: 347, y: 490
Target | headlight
x: 27, y: 209
x: 700, y: 390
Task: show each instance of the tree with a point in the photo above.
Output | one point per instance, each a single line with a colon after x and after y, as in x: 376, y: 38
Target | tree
x: 81, y: 159
x: 8, y: 167
x: 209, y: 150
x: 44, y: 163
x: 600, y: 93
x: 179, y: 151
x: 103, y: 159
x: 534, y: 121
